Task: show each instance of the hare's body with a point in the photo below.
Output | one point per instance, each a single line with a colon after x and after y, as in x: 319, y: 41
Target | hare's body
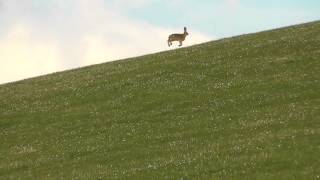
x: 178, y: 37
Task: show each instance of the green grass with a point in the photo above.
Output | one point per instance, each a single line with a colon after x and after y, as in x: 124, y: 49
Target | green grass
x: 246, y: 107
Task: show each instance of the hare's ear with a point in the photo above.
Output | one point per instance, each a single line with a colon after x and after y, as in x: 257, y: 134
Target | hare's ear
x: 185, y: 29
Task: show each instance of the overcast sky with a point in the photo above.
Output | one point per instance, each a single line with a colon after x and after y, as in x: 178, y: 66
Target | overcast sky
x: 43, y: 36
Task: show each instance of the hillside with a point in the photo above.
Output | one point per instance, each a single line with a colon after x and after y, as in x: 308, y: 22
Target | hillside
x: 246, y: 107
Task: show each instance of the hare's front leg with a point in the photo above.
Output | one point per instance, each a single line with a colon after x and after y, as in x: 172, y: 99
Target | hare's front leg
x: 180, y: 43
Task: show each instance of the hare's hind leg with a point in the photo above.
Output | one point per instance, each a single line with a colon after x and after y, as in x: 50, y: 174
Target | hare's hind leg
x: 169, y: 43
x: 180, y: 43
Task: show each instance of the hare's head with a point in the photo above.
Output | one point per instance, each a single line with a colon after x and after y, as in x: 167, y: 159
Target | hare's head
x: 185, y: 31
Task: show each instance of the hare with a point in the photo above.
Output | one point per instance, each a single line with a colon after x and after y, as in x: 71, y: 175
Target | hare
x: 178, y: 37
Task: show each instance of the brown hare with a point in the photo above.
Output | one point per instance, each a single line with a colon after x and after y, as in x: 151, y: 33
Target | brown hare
x: 178, y: 37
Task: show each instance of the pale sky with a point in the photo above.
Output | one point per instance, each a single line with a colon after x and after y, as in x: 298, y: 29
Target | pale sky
x: 43, y: 36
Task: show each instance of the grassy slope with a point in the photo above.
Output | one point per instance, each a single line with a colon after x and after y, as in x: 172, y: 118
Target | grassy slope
x: 244, y: 107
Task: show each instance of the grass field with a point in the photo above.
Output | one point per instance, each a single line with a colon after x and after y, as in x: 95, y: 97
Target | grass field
x: 246, y: 107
